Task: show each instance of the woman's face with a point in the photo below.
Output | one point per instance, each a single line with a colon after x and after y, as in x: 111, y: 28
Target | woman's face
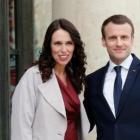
x: 62, y: 47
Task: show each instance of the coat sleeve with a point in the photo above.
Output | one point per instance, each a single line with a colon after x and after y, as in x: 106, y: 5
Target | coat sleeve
x: 85, y: 126
x: 23, y: 108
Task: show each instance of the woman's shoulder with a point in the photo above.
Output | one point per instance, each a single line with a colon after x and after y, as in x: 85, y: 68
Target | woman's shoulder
x: 33, y: 69
x: 30, y: 73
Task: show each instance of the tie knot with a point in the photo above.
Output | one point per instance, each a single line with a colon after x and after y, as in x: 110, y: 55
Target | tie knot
x: 117, y: 69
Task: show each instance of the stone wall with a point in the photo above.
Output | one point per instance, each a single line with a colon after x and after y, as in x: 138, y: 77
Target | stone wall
x: 88, y: 17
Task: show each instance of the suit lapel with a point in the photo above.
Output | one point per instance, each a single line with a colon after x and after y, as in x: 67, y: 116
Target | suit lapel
x: 52, y: 94
x: 102, y: 78
x: 129, y: 83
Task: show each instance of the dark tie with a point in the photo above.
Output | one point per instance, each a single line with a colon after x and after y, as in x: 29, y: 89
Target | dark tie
x: 117, y: 87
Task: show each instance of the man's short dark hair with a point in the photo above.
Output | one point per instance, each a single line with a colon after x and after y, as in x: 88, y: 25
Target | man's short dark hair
x: 117, y: 19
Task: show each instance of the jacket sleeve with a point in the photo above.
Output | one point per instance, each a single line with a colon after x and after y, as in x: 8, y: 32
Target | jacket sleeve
x: 88, y: 106
x: 23, y: 108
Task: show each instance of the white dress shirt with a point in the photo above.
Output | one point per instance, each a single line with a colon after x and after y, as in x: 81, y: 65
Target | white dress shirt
x: 110, y: 79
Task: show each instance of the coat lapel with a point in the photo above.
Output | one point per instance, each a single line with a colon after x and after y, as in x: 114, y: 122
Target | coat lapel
x: 52, y: 94
x: 132, y: 73
x: 102, y: 78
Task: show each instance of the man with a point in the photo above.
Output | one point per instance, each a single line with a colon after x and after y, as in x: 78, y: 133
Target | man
x: 112, y: 99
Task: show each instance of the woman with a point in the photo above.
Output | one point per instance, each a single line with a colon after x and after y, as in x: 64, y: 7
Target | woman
x: 45, y: 104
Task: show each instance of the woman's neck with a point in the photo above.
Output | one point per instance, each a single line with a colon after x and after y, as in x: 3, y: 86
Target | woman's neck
x: 61, y: 74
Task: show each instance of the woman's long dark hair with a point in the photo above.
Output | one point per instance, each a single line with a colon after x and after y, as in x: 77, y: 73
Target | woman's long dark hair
x: 76, y: 67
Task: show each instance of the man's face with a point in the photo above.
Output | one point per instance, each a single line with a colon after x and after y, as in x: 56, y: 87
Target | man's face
x: 118, y: 41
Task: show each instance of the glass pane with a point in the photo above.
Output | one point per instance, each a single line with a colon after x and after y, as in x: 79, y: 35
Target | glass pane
x: 12, y: 46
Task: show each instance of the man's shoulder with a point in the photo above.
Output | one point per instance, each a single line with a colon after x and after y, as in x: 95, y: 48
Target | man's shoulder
x: 97, y: 73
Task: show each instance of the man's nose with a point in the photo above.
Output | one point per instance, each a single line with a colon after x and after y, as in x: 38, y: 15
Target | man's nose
x: 119, y: 41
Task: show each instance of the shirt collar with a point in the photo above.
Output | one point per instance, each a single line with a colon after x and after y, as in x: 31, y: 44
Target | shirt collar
x: 125, y: 64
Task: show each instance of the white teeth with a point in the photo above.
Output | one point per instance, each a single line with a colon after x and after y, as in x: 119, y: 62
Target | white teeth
x: 63, y: 56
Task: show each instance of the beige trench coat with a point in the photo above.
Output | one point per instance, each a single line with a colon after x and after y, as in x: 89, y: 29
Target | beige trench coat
x: 38, y: 111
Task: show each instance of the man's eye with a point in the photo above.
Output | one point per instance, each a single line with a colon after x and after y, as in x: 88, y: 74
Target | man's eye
x: 112, y: 38
x: 124, y: 37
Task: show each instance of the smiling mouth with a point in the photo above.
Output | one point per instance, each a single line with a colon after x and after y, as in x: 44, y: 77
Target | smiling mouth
x: 63, y: 57
x: 119, y: 50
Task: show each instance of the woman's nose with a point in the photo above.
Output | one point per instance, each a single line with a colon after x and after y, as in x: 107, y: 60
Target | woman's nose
x: 63, y: 48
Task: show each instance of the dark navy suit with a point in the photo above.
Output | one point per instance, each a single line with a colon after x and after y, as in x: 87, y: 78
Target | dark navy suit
x: 126, y: 125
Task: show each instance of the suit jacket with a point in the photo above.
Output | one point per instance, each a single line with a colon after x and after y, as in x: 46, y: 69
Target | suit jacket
x: 38, y: 111
x: 126, y: 125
